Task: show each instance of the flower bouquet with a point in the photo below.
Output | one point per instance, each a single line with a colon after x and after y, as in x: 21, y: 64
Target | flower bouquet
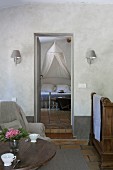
x: 13, y: 136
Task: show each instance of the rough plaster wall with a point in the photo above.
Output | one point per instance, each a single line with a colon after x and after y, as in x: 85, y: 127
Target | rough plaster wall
x: 92, y: 26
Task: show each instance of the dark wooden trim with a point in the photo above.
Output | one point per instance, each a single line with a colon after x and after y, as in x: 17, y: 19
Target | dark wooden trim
x: 105, y: 146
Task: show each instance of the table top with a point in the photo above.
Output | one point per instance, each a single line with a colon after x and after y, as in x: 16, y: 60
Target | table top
x: 32, y: 155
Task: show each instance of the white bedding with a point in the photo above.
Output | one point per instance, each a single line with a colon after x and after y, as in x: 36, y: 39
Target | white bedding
x: 52, y: 90
x: 59, y: 88
x: 55, y: 93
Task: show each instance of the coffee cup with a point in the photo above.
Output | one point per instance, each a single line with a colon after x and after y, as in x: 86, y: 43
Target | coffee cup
x: 8, y: 158
x: 33, y: 137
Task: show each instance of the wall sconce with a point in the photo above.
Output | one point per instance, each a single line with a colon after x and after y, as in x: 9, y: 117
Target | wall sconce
x: 90, y: 56
x: 17, y: 56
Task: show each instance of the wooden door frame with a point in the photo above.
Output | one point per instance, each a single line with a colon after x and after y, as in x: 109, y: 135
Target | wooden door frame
x: 37, y: 53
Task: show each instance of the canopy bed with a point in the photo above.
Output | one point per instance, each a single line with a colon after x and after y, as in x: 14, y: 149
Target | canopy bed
x: 56, y: 78
x: 51, y: 94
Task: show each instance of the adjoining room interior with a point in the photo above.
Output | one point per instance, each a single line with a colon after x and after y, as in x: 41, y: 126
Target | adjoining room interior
x: 56, y: 84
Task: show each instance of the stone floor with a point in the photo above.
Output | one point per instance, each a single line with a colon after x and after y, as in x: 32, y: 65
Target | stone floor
x: 90, y: 154
x: 58, y: 128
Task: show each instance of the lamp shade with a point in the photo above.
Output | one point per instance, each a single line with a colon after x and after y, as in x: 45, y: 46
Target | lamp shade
x: 15, y: 53
x: 17, y: 56
x: 91, y: 56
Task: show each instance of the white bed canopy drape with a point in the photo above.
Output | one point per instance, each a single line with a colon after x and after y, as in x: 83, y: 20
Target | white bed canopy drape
x: 55, y: 55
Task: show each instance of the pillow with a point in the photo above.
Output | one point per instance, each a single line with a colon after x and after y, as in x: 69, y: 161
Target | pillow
x: 62, y: 87
x: 48, y: 88
x: 14, y: 124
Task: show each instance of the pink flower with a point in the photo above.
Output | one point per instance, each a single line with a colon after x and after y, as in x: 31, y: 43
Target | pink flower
x: 11, y: 133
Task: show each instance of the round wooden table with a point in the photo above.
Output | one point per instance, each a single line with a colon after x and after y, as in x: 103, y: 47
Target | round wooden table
x: 31, y: 155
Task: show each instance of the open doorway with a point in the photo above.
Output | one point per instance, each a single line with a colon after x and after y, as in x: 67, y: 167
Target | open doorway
x: 56, y: 79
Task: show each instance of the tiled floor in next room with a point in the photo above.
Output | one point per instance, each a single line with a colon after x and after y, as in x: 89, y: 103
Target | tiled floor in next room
x: 57, y: 123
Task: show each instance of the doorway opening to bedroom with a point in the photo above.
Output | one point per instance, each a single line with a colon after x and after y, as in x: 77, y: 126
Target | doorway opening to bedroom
x: 54, y: 53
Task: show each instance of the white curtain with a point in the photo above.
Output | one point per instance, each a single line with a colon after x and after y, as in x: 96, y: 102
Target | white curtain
x: 55, y: 52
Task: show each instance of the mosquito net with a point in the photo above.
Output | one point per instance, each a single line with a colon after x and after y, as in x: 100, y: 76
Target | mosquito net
x: 55, y: 63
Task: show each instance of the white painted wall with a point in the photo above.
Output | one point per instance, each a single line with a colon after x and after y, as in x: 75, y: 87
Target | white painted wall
x: 92, y: 26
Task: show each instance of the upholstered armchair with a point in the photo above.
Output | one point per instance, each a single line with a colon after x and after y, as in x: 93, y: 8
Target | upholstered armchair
x: 12, y: 116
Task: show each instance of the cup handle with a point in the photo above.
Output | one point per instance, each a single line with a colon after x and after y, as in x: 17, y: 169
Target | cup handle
x: 14, y: 157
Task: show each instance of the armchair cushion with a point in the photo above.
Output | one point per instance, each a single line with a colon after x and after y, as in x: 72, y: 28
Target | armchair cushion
x: 13, y: 124
x: 9, y: 112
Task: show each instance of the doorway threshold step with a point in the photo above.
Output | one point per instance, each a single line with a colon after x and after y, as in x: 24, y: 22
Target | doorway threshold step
x: 60, y: 135
x: 58, y: 130
x: 70, y: 141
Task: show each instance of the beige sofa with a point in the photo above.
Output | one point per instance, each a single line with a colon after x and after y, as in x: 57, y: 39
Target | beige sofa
x: 12, y: 116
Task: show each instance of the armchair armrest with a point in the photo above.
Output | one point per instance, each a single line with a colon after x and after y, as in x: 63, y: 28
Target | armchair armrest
x: 38, y: 128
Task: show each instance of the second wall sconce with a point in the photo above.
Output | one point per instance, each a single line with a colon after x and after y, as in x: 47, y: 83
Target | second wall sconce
x: 90, y: 56
x: 17, y: 56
